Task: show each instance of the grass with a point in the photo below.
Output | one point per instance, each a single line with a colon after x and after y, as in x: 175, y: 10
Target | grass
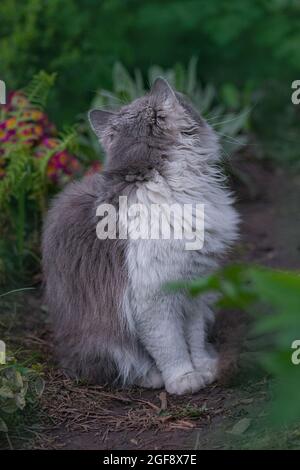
x: 21, y: 377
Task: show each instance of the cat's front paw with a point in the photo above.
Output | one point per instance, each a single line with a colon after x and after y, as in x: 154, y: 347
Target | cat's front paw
x: 153, y: 379
x: 187, y: 383
x: 208, y: 368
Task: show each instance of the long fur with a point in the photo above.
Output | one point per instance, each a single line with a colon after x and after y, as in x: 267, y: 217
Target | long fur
x: 112, y: 320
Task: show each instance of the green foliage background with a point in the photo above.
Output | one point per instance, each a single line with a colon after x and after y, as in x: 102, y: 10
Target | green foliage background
x: 272, y: 300
x: 254, y: 42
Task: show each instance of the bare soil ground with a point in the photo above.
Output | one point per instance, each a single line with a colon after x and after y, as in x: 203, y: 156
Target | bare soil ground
x: 75, y: 416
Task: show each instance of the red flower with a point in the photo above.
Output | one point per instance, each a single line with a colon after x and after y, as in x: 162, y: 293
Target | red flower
x: 35, y: 130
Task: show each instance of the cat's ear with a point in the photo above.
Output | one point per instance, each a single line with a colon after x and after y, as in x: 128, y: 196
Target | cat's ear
x: 98, y: 119
x: 162, y: 90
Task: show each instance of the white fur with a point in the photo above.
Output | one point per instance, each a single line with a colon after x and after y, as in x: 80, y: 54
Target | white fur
x: 172, y: 327
x: 169, y: 330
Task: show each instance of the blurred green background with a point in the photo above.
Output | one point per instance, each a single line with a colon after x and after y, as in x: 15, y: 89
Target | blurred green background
x: 252, y: 44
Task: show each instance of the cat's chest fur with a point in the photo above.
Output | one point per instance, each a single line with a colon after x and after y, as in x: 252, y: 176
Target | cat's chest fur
x: 153, y: 262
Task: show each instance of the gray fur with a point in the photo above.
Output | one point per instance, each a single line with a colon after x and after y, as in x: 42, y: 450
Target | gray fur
x: 112, y: 320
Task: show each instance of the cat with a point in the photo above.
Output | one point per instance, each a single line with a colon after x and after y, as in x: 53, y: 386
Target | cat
x: 114, y: 322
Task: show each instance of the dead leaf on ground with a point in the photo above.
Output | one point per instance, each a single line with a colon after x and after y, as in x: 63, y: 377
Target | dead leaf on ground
x: 240, y: 427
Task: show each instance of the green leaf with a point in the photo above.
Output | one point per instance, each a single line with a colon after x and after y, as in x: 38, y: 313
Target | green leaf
x: 9, y: 407
x: 230, y: 95
x: 6, y: 392
x: 240, y: 427
x: 3, y: 426
x: 38, y: 89
x: 20, y: 401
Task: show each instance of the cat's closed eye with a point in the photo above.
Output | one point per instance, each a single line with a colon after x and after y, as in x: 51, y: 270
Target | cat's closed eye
x: 189, y: 132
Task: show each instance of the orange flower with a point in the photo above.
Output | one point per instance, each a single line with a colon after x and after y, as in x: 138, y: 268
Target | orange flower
x: 36, y: 114
x: 51, y: 143
x: 63, y: 158
x: 11, y: 123
x: 38, y: 130
x: 19, y: 100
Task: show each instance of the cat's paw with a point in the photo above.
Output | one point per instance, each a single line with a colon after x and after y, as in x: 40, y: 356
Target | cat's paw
x: 208, y: 368
x: 190, y: 382
x: 153, y: 379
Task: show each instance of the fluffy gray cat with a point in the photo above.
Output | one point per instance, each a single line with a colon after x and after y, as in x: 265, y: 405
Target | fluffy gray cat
x: 113, y: 321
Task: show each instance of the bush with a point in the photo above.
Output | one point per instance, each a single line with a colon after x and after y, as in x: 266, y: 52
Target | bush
x: 34, y: 162
x: 272, y: 299
x: 20, y: 387
x: 253, y: 42
x: 227, y: 111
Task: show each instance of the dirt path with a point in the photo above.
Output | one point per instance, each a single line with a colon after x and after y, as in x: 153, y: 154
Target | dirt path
x: 79, y: 417
x: 271, y: 217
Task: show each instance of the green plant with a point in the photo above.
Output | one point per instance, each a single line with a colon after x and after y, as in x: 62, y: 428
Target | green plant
x: 82, y: 39
x: 33, y: 161
x: 20, y: 387
x: 227, y: 111
x: 272, y: 299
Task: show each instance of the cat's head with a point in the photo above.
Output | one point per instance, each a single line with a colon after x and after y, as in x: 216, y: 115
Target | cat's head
x: 156, y: 130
